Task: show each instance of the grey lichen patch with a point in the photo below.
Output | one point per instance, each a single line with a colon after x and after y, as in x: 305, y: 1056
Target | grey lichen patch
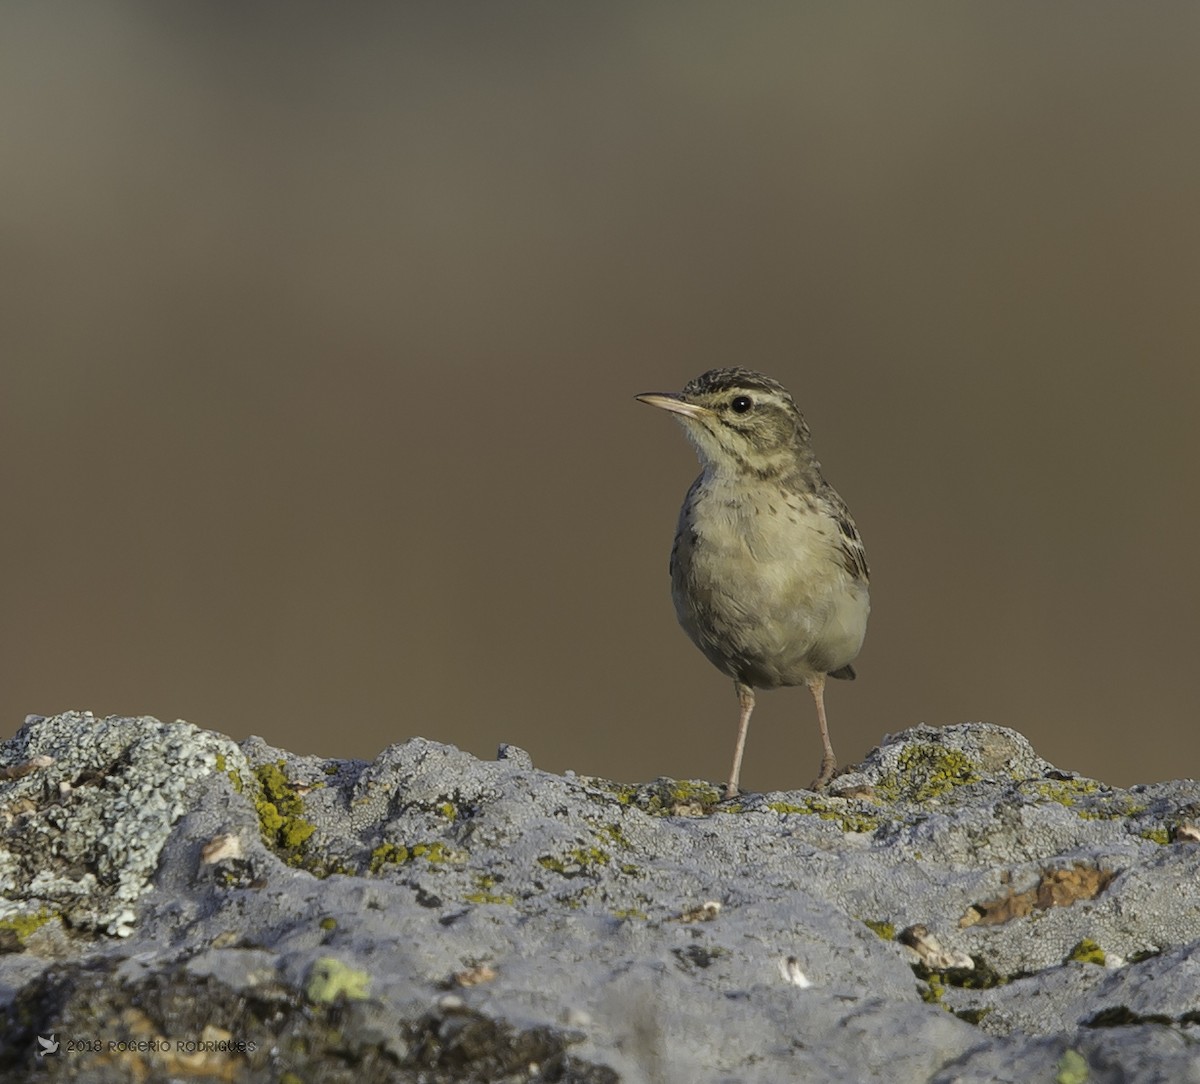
x: 93, y: 821
x: 696, y: 957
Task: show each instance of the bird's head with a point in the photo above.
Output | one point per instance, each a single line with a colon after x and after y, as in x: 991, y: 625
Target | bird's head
x: 741, y: 422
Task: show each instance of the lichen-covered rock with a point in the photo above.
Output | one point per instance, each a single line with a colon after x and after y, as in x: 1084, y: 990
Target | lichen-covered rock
x: 952, y: 905
x: 88, y: 804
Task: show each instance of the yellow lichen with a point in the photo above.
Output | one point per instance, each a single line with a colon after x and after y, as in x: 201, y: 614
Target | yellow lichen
x: 280, y: 811
x: 880, y: 928
x: 329, y: 979
x: 927, y: 770
x: 1086, y: 951
x: 847, y: 818
x: 434, y: 852
x: 577, y: 860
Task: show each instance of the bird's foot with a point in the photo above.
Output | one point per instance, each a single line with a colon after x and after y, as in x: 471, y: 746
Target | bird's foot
x: 828, y: 767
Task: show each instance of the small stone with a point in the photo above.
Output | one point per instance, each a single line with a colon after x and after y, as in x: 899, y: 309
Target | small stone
x: 515, y: 755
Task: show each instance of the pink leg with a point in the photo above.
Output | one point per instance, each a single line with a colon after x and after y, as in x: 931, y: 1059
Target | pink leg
x: 816, y: 686
x: 746, y: 703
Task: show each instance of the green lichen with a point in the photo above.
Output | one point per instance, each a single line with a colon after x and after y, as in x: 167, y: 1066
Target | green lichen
x: 667, y: 797
x: 982, y: 976
x: 485, y: 882
x: 1090, y: 801
x: 235, y: 779
x: 329, y: 979
x: 927, y: 770
x: 397, y: 854
x: 1156, y: 835
x: 232, y: 774
x: 1072, y: 1068
x: 625, y: 913
x: 328, y: 923
x: 575, y: 861
x: 679, y: 797
x: 935, y: 984
x: 1063, y: 791
x: 434, y: 853
x: 448, y: 810
x: 613, y: 833
x: 388, y: 854
x: 932, y: 990
x: 280, y: 809
x: 884, y: 930
x: 849, y: 820
x: 625, y: 793
x: 20, y: 927
x: 973, y: 1016
x: 1112, y: 807
x: 1086, y: 951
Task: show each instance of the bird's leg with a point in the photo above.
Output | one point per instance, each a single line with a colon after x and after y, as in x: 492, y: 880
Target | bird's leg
x: 816, y: 686
x: 746, y: 703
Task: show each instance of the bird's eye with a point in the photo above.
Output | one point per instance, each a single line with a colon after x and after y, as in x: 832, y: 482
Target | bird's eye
x: 741, y: 404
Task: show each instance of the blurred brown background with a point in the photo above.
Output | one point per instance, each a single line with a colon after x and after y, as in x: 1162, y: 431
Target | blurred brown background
x: 320, y: 327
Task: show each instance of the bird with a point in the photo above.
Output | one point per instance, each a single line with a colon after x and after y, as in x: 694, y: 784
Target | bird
x: 769, y: 575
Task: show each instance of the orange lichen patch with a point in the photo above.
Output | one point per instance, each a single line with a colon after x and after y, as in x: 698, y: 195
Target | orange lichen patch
x: 1055, y: 888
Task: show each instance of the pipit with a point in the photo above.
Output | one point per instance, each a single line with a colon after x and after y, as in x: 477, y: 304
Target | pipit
x: 768, y: 572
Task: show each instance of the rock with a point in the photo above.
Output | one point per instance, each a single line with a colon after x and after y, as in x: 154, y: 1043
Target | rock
x: 175, y: 904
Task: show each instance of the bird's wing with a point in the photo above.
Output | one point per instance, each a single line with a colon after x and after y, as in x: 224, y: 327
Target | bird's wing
x: 851, y: 551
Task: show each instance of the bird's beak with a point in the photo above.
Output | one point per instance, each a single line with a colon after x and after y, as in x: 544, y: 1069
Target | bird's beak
x: 675, y: 403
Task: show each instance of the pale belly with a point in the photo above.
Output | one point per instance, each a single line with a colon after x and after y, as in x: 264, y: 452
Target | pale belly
x: 766, y: 599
